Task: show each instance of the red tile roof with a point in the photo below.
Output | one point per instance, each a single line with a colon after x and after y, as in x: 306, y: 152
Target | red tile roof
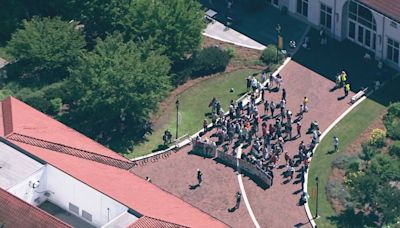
x: 390, y: 8
x: 119, y: 184
x: 20, y: 118
x: 148, y: 222
x: 17, y: 213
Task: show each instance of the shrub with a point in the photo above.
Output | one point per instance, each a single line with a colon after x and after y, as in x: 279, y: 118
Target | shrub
x: 336, y: 190
x: 394, y: 149
x: 55, y: 105
x: 392, y: 121
x: 209, y: 60
x: 377, y: 138
x: 342, y: 162
x: 231, y: 52
x: 269, y: 55
x: 353, y: 166
x: 368, y: 152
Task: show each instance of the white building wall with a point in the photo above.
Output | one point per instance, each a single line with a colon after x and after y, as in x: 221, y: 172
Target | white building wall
x: 25, y: 191
x: 391, y: 32
x: 69, y: 190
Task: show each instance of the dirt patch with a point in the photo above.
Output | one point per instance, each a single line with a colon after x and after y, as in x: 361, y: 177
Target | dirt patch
x: 353, y: 149
x: 244, y: 58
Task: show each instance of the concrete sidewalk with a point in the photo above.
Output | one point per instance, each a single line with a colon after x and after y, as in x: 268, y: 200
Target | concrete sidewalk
x: 218, y: 31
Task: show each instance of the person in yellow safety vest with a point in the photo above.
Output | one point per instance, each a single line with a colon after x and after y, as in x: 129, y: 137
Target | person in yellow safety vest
x: 343, y: 78
x: 346, y: 89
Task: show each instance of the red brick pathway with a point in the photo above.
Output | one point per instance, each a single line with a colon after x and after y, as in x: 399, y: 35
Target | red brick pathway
x: 274, y: 207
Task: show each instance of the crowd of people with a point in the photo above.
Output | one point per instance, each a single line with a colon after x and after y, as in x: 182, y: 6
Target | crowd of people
x: 265, y: 131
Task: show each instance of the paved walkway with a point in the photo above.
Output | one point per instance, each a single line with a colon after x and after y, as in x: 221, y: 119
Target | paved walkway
x: 274, y: 207
x: 218, y: 31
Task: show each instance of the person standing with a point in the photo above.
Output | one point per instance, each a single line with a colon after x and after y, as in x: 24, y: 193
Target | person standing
x: 266, y: 107
x: 336, y: 143
x: 199, y: 177
x: 305, y: 103
x: 343, y: 78
x: 346, y: 89
x: 283, y: 94
x: 272, y: 107
x: 298, y: 125
x: 238, y: 199
x: 205, y: 125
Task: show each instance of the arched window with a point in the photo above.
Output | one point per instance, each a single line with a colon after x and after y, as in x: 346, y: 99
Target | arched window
x: 362, y: 15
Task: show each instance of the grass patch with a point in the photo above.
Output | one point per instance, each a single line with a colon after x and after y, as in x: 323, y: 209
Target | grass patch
x: 347, y: 130
x: 193, y: 107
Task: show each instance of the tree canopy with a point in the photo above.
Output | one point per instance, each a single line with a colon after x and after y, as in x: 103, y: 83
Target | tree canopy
x: 45, y: 47
x: 121, y: 84
x: 175, y: 26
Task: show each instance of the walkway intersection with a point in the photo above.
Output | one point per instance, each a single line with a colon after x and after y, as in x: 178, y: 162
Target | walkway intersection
x: 274, y: 207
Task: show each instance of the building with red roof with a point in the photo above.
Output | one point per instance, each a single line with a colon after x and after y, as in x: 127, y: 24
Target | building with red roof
x: 81, y: 176
x: 17, y: 213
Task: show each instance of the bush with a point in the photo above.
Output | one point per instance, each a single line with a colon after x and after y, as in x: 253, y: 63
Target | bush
x: 392, y: 121
x: 55, y: 105
x: 269, y: 55
x: 377, y: 138
x: 394, y: 149
x: 368, y: 152
x: 209, y: 60
x: 231, y: 52
x: 336, y: 190
x: 342, y: 162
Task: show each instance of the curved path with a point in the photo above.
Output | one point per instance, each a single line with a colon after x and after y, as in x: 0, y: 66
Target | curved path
x: 274, y: 207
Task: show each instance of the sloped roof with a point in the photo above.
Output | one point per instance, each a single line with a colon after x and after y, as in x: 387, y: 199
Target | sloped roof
x: 21, y: 118
x: 17, y: 213
x: 390, y: 8
x: 148, y: 222
x: 116, y: 182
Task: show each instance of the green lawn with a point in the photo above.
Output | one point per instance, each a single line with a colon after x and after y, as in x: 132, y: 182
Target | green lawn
x: 193, y: 106
x: 347, y: 130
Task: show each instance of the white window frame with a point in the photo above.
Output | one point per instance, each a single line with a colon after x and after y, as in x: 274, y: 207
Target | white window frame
x: 393, y: 46
x: 326, y: 14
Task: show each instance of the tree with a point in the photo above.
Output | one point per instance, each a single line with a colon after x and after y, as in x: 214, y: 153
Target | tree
x: 175, y: 26
x: 45, y: 47
x: 116, y: 86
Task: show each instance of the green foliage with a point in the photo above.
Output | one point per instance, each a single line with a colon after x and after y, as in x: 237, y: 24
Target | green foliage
x: 209, y: 60
x: 36, y: 100
x: 55, y: 105
x: 271, y: 55
x: 231, y: 52
x: 116, y: 87
x: 175, y: 26
x: 368, y: 152
x: 336, y: 190
x: 392, y: 121
x: 342, y: 161
x: 45, y: 47
x: 385, y: 167
x: 394, y: 149
x: 377, y: 137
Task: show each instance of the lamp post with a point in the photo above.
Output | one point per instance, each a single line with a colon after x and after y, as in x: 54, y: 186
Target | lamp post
x: 316, y: 202
x: 278, y: 30
x: 177, y: 118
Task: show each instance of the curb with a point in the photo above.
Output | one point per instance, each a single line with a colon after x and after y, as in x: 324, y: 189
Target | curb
x: 333, y: 124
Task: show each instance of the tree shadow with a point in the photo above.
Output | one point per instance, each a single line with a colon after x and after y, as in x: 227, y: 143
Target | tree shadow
x: 350, y: 218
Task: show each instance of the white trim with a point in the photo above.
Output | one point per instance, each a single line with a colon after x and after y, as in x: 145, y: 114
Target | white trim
x: 242, y: 190
x: 333, y: 124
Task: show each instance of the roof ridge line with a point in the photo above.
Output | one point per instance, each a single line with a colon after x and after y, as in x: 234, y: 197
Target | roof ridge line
x: 7, y: 116
x: 57, y: 147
